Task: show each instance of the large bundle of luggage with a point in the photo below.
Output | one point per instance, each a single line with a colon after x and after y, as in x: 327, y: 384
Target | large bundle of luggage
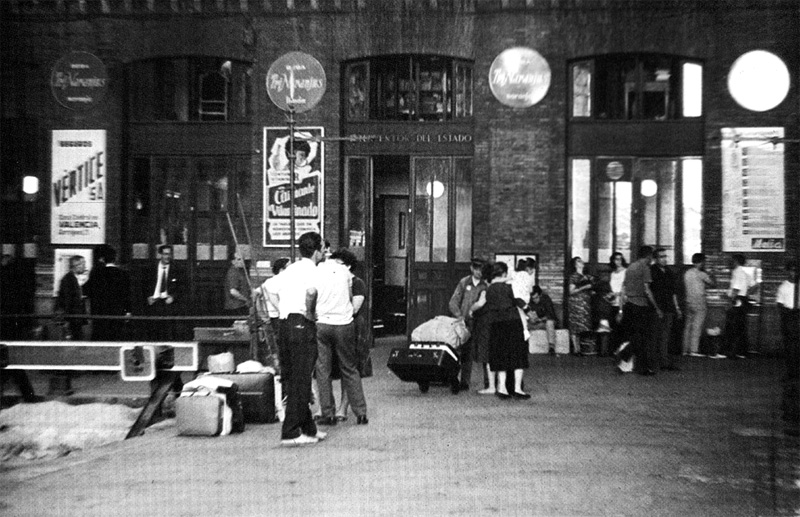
x: 432, y: 356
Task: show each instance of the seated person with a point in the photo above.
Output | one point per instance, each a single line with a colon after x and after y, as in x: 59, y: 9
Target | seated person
x: 542, y: 316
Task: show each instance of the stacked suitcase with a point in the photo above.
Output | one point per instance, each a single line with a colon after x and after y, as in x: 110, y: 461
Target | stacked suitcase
x: 425, y: 363
x: 257, y: 393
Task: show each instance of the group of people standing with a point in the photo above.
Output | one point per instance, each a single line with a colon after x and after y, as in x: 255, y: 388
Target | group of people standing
x: 316, y: 302
x: 495, y: 305
x: 643, y: 308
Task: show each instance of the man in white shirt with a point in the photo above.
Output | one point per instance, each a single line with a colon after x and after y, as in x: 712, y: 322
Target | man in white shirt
x: 293, y: 295
x: 336, y: 335
x: 736, y: 318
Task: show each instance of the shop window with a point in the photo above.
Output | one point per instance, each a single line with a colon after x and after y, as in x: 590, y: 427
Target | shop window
x: 620, y: 204
x: 189, y: 89
x: 408, y: 87
x: 581, y: 198
x: 183, y: 200
x: 636, y: 87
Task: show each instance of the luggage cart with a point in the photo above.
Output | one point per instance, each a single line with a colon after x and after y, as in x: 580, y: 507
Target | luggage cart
x: 426, y: 363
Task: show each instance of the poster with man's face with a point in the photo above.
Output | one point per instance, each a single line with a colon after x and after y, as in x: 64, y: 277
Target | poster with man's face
x: 308, y: 185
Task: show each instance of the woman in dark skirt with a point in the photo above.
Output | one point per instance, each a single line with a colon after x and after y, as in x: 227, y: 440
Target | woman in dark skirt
x: 507, y: 347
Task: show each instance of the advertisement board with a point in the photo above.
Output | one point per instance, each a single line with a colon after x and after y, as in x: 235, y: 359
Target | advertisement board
x: 308, y: 189
x: 78, y: 187
x: 753, y: 210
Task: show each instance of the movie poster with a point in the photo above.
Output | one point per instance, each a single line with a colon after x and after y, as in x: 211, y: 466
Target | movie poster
x: 308, y: 190
x: 78, y: 187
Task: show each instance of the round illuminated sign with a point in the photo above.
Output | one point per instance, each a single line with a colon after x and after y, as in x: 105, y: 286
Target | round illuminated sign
x: 758, y: 80
x: 296, y: 80
x: 79, y: 80
x: 519, y: 77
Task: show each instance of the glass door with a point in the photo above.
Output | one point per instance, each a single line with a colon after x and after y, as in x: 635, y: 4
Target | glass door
x: 442, y: 233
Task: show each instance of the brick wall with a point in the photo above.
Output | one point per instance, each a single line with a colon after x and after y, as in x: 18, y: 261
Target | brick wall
x: 520, y: 202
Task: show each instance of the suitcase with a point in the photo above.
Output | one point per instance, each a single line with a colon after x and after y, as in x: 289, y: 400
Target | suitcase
x: 257, y: 394
x: 537, y: 343
x: 425, y: 363
x: 562, y: 341
x: 199, y: 415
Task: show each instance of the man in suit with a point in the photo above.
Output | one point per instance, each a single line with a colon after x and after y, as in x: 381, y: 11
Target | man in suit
x: 70, y: 297
x: 109, y: 290
x: 164, y: 289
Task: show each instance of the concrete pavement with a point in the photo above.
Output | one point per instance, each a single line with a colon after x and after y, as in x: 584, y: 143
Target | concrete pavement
x: 703, y: 441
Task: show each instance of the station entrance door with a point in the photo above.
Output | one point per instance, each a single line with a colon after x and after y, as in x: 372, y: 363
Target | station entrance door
x: 410, y: 217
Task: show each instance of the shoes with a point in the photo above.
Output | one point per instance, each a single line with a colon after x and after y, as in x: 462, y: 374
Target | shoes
x: 463, y: 386
x: 552, y: 350
x: 362, y: 420
x: 738, y: 356
x: 502, y: 396
x: 695, y: 354
x: 326, y: 420
x: 299, y: 441
x: 716, y: 356
x: 487, y: 391
x: 518, y: 395
x: 321, y: 435
x: 625, y: 366
x: 341, y: 418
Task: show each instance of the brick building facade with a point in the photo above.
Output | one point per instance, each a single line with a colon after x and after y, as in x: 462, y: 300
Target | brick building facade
x: 513, y: 170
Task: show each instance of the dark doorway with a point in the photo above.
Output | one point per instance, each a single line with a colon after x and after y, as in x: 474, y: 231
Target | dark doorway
x: 390, y: 243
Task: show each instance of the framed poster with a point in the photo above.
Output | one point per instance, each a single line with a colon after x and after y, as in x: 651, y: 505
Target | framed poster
x: 309, y: 188
x: 78, y: 195
x: 753, y: 194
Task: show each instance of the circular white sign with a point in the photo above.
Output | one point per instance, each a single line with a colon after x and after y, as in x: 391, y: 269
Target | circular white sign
x: 758, y: 80
x: 519, y: 77
x: 79, y: 80
x: 296, y: 80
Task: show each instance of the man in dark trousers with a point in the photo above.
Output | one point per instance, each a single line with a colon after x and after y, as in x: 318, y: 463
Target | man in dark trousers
x: 163, y: 289
x: 70, y: 297
x: 465, y: 295
x: 638, y: 315
x: 542, y: 316
x: 109, y: 292
x: 742, y: 285
x: 666, y: 296
x: 293, y: 295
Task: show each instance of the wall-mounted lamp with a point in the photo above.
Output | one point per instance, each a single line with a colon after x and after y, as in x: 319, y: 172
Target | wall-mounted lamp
x: 435, y: 189
x: 30, y: 185
x: 649, y: 188
x: 30, y: 188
